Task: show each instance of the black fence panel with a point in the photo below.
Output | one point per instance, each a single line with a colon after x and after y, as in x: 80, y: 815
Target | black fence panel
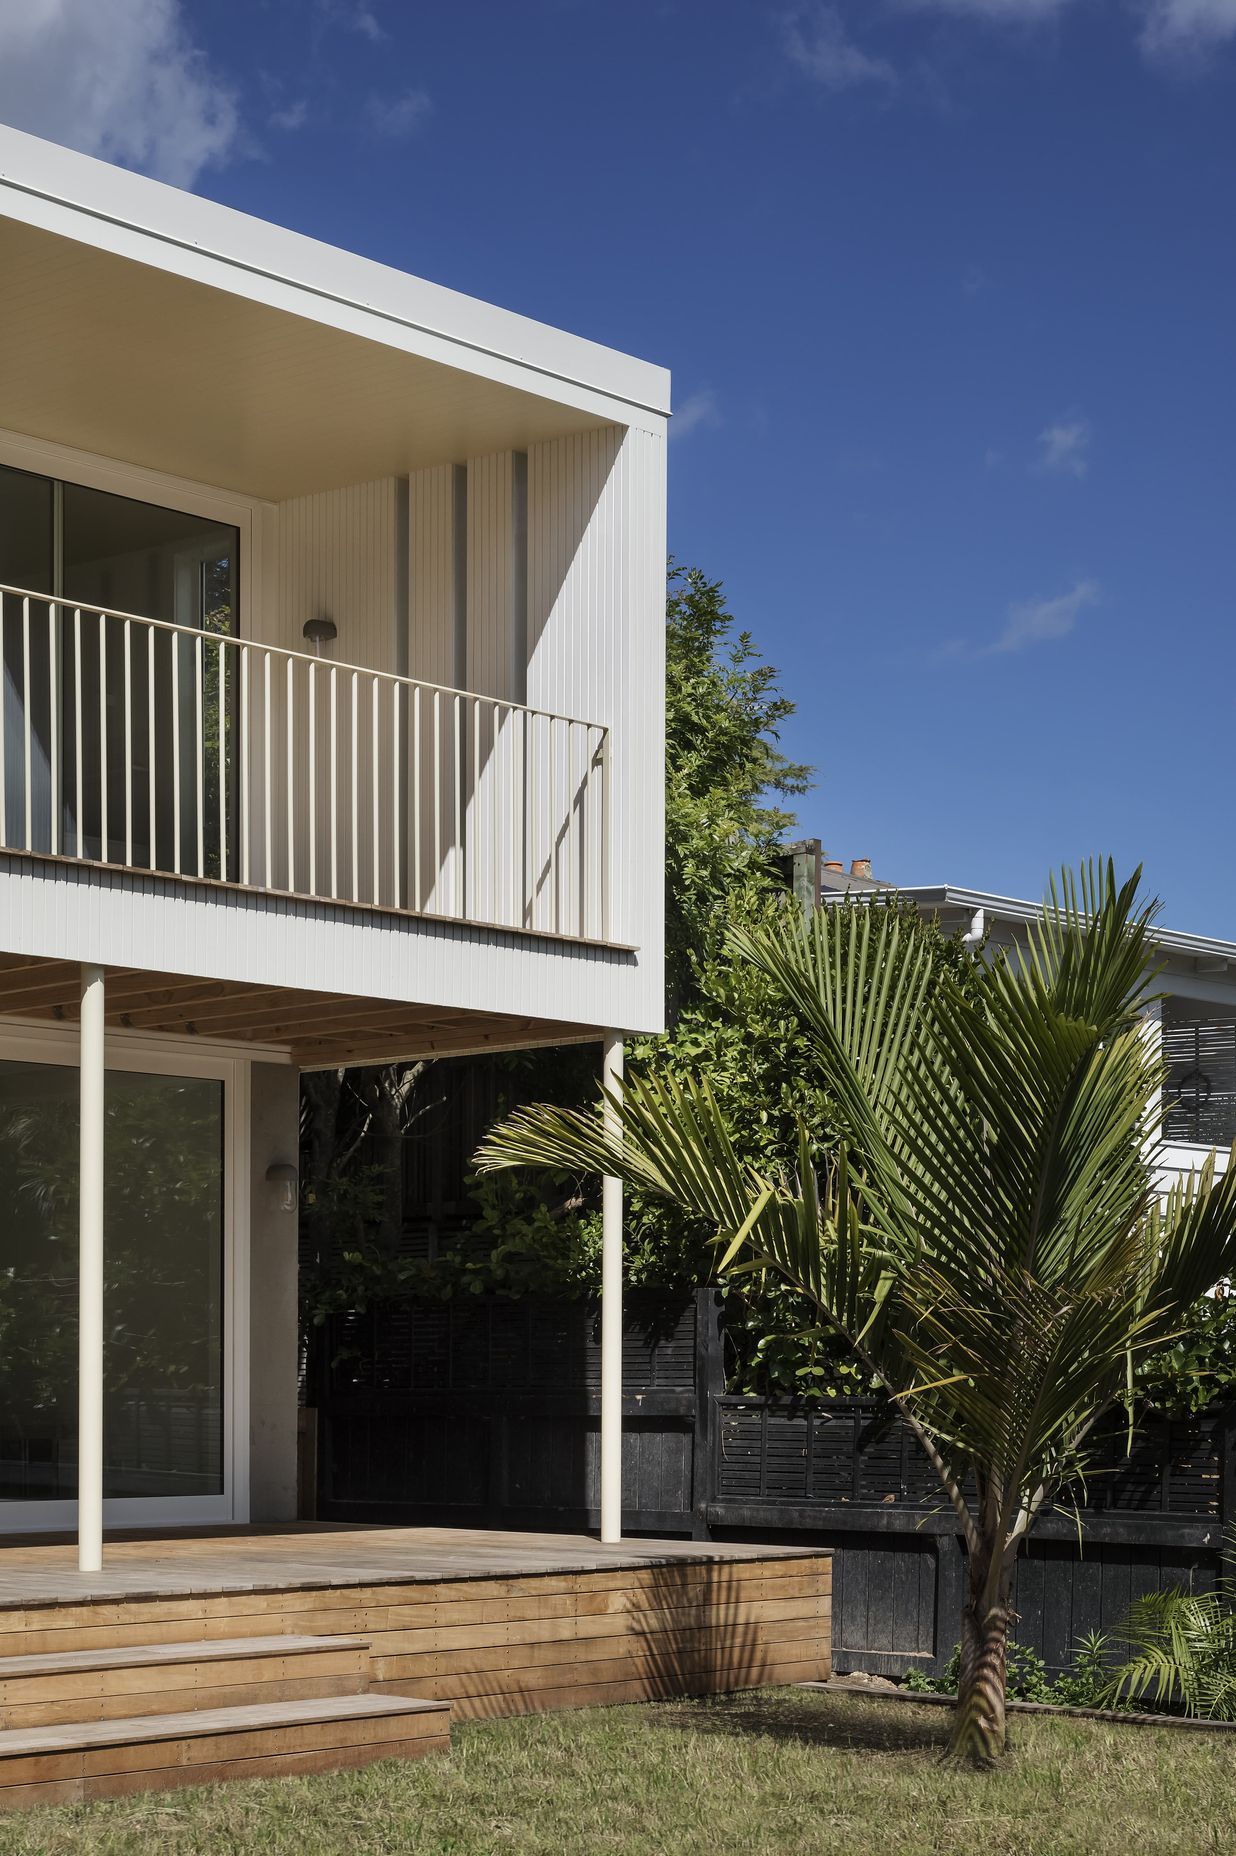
x: 485, y: 1412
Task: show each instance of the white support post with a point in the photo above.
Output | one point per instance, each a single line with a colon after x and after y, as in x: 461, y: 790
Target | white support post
x: 90, y: 1280
x: 611, y: 1314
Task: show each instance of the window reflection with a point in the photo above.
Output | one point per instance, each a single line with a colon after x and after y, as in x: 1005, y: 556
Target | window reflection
x: 163, y: 1295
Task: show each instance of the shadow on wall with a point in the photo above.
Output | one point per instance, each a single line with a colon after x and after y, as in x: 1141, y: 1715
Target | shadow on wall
x: 699, y: 1631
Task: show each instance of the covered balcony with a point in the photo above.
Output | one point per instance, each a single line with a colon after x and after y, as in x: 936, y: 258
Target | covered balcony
x: 186, y: 751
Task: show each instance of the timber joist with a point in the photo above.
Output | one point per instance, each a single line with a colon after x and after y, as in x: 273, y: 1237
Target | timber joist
x: 316, y: 1030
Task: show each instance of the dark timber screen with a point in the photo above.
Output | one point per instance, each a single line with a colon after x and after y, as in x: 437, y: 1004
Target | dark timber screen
x: 484, y: 1412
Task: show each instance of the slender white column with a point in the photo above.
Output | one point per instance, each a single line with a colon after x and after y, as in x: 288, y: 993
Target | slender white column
x: 611, y: 1316
x: 90, y: 1280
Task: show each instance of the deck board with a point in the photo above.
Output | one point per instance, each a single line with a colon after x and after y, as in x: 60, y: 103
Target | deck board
x: 306, y: 1558
x: 494, y: 1623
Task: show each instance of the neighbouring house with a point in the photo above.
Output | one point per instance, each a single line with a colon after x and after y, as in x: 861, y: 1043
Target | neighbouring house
x: 1194, y: 1020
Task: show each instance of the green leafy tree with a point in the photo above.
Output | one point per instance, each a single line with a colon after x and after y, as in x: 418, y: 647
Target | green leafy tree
x: 982, y: 1232
x: 725, y: 777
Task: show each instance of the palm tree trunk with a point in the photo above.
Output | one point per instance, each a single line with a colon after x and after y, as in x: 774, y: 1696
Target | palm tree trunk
x: 978, y: 1735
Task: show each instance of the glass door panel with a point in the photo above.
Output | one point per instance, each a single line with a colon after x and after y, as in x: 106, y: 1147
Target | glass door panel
x: 27, y: 529
x: 169, y: 708
x: 163, y: 1294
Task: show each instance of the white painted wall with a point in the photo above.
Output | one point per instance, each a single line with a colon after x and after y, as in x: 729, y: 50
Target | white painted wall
x: 274, y: 1138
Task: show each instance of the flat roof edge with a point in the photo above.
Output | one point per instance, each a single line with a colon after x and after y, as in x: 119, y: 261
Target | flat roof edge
x: 950, y: 896
x: 128, y: 214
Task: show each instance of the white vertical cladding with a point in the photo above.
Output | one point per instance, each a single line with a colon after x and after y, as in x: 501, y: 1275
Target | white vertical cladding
x: 336, y: 557
x: 436, y: 653
x: 496, y: 609
x: 596, y: 648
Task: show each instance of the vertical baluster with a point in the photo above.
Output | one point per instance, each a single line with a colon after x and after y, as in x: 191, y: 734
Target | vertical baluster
x: 355, y: 795
x: 603, y: 835
x: 175, y: 640
x: 28, y: 720
x: 246, y: 795
x: 103, y: 819
x: 221, y: 683
x: 53, y: 740
x: 554, y: 822
x: 534, y: 817
x: 478, y: 849
x: 437, y: 798
x: 151, y: 757
x: 414, y: 886
x: 267, y: 805
x: 199, y: 746
x: 459, y: 898
x: 290, y: 704
x: 396, y: 778
x: 313, y: 777
x: 78, y: 732
x: 375, y: 782
x: 127, y: 647
x: 4, y: 736
x: 334, y: 781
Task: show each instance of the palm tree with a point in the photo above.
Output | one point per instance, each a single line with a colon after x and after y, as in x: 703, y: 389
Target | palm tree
x: 985, y: 1232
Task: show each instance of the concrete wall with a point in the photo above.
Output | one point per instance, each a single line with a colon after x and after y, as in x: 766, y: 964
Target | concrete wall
x: 273, y: 1136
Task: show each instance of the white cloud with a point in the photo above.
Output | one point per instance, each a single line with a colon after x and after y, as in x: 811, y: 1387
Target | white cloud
x: 1065, y: 447
x: 1038, y: 621
x: 698, y: 409
x: 1183, y: 30
x: 353, y: 16
x: 122, y: 80
x: 291, y: 115
x: 819, y: 44
x: 398, y: 117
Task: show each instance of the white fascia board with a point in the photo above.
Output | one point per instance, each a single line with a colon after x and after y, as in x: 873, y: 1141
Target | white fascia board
x: 132, y: 217
x: 1016, y: 909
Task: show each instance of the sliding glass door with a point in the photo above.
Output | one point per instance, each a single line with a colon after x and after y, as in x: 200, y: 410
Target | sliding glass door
x: 167, y: 1302
x: 131, y: 727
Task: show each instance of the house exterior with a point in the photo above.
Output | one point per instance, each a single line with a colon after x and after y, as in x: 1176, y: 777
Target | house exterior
x: 331, y: 625
x: 1194, y: 1021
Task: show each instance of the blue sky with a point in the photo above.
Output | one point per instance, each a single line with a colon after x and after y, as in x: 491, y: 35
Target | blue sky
x: 948, y: 288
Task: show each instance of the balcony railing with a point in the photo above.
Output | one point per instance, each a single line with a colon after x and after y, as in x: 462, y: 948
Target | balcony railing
x: 129, y: 742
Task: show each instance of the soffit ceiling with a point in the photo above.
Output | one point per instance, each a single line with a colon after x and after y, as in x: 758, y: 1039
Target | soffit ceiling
x: 116, y: 357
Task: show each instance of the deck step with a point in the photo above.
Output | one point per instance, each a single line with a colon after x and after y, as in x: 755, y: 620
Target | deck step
x: 80, y: 1760
x: 51, y: 1689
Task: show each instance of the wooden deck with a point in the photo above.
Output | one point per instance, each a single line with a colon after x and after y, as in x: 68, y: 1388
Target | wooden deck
x: 288, y: 1638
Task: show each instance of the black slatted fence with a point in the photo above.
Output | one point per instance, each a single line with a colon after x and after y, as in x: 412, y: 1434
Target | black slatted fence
x: 484, y: 1412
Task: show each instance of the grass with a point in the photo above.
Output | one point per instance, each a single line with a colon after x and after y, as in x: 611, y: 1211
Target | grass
x: 781, y: 1771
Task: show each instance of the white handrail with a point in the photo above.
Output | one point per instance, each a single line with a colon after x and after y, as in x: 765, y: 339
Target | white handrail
x: 145, y: 745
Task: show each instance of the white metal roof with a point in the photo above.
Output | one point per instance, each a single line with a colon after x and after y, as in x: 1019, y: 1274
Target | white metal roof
x: 940, y: 896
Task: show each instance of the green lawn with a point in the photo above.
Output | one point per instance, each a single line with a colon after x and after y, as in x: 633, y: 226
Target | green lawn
x: 781, y: 1771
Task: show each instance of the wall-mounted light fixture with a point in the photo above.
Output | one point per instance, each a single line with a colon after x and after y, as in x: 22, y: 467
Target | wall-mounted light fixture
x: 320, y: 631
x: 283, y: 1180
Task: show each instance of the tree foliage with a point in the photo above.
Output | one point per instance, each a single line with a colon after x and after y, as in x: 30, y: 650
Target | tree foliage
x: 982, y: 1229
